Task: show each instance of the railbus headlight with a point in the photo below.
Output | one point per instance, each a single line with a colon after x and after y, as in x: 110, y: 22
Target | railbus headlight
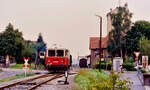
x: 49, y: 60
x: 62, y: 60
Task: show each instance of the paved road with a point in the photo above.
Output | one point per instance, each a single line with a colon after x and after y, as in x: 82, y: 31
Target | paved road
x: 137, y: 85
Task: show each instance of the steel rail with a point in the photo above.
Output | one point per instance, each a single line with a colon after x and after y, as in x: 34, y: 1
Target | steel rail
x: 34, y: 78
x: 25, y: 80
x: 54, y: 77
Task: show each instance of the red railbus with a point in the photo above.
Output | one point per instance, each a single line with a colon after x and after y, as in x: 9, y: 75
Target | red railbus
x: 58, y: 59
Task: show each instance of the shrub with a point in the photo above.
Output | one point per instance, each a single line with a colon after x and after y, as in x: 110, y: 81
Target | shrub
x: 95, y: 80
x: 103, y: 65
x: 143, y: 70
x: 130, y: 60
x: 85, y: 78
x: 129, y: 64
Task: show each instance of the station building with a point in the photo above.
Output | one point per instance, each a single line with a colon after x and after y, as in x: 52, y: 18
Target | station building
x: 94, y: 41
x: 94, y: 48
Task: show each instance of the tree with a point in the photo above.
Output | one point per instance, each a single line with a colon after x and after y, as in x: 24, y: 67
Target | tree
x: 29, y: 50
x: 40, y: 38
x: 11, y: 42
x: 140, y: 28
x: 144, y: 44
x: 41, y: 45
x: 121, y: 22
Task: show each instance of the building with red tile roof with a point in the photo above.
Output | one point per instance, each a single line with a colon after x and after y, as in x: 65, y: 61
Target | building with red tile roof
x: 94, y: 47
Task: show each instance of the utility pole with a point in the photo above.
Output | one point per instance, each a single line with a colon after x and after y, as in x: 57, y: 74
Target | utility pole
x: 100, y: 49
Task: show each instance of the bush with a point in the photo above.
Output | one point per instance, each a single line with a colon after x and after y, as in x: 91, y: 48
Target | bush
x: 103, y: 65
x: 129, y: 64
x: 95, y: 80
x: 143, y: 70
x: 86, y: 77
x: 130, y: 60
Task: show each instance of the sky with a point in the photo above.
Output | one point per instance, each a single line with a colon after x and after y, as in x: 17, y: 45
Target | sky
x: 67, y: 23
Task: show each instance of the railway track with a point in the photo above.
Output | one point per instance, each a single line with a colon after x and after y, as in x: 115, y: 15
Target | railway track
x: 21, y: 84
x: 43, y: 82
x: 32, y: 83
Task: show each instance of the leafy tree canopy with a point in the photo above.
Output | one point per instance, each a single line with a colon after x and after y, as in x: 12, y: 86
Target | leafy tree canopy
x: 144, y: 44
x: 11, y: 41
x: 140, y: 28
x: 40, y: 38
x: 41, y: 45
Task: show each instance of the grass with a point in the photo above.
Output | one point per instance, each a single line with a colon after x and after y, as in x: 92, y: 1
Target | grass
x: 86, y: 78
x: 16, y: 77
x: 131, y: 71
x: 32, y: 66
x: 17, y: 66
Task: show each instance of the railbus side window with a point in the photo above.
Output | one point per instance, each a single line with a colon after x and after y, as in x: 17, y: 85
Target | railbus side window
x: 41, y: 53
x: 51, y: 53
x: 66, y: 52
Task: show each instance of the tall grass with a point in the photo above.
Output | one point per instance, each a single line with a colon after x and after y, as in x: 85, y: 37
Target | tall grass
x: 95, y: 80
x: 88, y: 79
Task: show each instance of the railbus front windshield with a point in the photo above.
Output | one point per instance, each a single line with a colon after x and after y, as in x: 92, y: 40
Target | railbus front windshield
x: 51, y: 53
x: 60, y: 53
x: 57, y: 52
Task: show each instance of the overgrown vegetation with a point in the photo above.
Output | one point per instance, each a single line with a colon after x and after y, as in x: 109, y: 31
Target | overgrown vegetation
x: 95, y: 80
x: 129, y: 64
x: 16, y: 77
x: 143, y: 70
x: 105, y: 65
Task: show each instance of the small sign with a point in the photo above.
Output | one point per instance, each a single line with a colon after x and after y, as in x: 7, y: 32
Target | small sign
x: 145, y: 62
x: 137, y: 54
x: 26, y: 65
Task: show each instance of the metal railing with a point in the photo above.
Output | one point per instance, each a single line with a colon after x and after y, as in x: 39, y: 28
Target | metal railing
x: 140, y: 75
